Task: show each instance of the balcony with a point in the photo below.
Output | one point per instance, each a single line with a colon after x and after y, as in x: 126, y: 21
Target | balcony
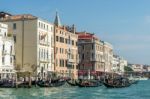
x: 70, y: 60
x: 44, y: 60
x: 44, y: 43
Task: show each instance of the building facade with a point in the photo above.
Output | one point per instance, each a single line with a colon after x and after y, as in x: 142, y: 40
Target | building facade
x: 118, y: 64
x: 91, y: 59
x: 6, y: 53
x: 33, y: 39
x: 108, y: 56
x: 137, y: 67
x: 66, y: 50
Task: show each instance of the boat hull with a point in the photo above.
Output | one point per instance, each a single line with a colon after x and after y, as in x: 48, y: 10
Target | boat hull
x: 115, y: 86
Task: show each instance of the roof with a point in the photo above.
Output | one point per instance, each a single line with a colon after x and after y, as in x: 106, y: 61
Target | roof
x: 85, y: 35
x: 57, y: 20
x: 19, y: 17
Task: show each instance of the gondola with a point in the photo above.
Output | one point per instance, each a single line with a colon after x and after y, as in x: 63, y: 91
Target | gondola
x: 89, y: 84
x: 1, y: 82
x: 72, y: 84
x: 116, y: 86
x: 7, y: 84
x: 47, y: 84
x: 24, y: 85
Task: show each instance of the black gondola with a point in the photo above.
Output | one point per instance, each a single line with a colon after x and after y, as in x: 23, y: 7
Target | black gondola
x: 72, y: 84
x: 48, y: 84
x: 24, y: 85
x: 116, y: 86
x: 89, y: 84
x: 7, y: 84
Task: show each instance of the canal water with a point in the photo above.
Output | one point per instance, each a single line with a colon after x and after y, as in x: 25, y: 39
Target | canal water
x: 137, y: 91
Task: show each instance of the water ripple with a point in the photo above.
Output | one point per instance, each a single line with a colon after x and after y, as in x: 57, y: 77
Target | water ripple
x: 137, y: 91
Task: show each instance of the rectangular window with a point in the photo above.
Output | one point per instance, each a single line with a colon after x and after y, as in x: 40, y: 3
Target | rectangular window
x: 76, y: 43
x: 39, y: 24
x: 11, y: 60
x: 14, y: 26
x: 57, y: 38
x: 14, y: 39
x: 60, y: 62
x: 11, y: 49
x: 61, y: 39
x: 44, y: 26
x: 44, y: 66
x: 72, y: 42
x: 3, y: 47
x: 83, y: 56
x: 92, y: 56
x: 66, y: 41
x: 83, y: 47
x: 92, y: 46
x: 47, y: 66
x: 14, y: 58
x: 3, y: 60
x: 5, y: 34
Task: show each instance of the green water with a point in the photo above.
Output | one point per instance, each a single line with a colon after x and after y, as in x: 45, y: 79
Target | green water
x: 137, y: 91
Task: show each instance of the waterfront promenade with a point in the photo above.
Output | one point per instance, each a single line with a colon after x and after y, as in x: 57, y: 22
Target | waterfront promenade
x: 137, y: 91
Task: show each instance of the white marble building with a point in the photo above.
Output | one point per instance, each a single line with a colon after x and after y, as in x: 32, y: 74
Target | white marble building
x: 6, y: 53
x: 118, y: 64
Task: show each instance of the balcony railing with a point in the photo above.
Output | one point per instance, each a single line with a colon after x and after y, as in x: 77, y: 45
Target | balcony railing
x: 44, y: 43
x: 44, y: 60
x: 70, y: 60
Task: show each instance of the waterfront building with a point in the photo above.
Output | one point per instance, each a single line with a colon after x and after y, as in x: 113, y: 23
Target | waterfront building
x: 91, y: 59
x: 66, y: 50
x: 122, y: 64
x: 137, y: 67
x: 108, y: 56
x: 116, y: 67
x: 6, y: 53
x: 118, y: 64
x: 33, y: 39
x: 148, y: 68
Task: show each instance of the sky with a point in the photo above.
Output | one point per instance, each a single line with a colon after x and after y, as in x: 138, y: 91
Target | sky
x: 123, y: 23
